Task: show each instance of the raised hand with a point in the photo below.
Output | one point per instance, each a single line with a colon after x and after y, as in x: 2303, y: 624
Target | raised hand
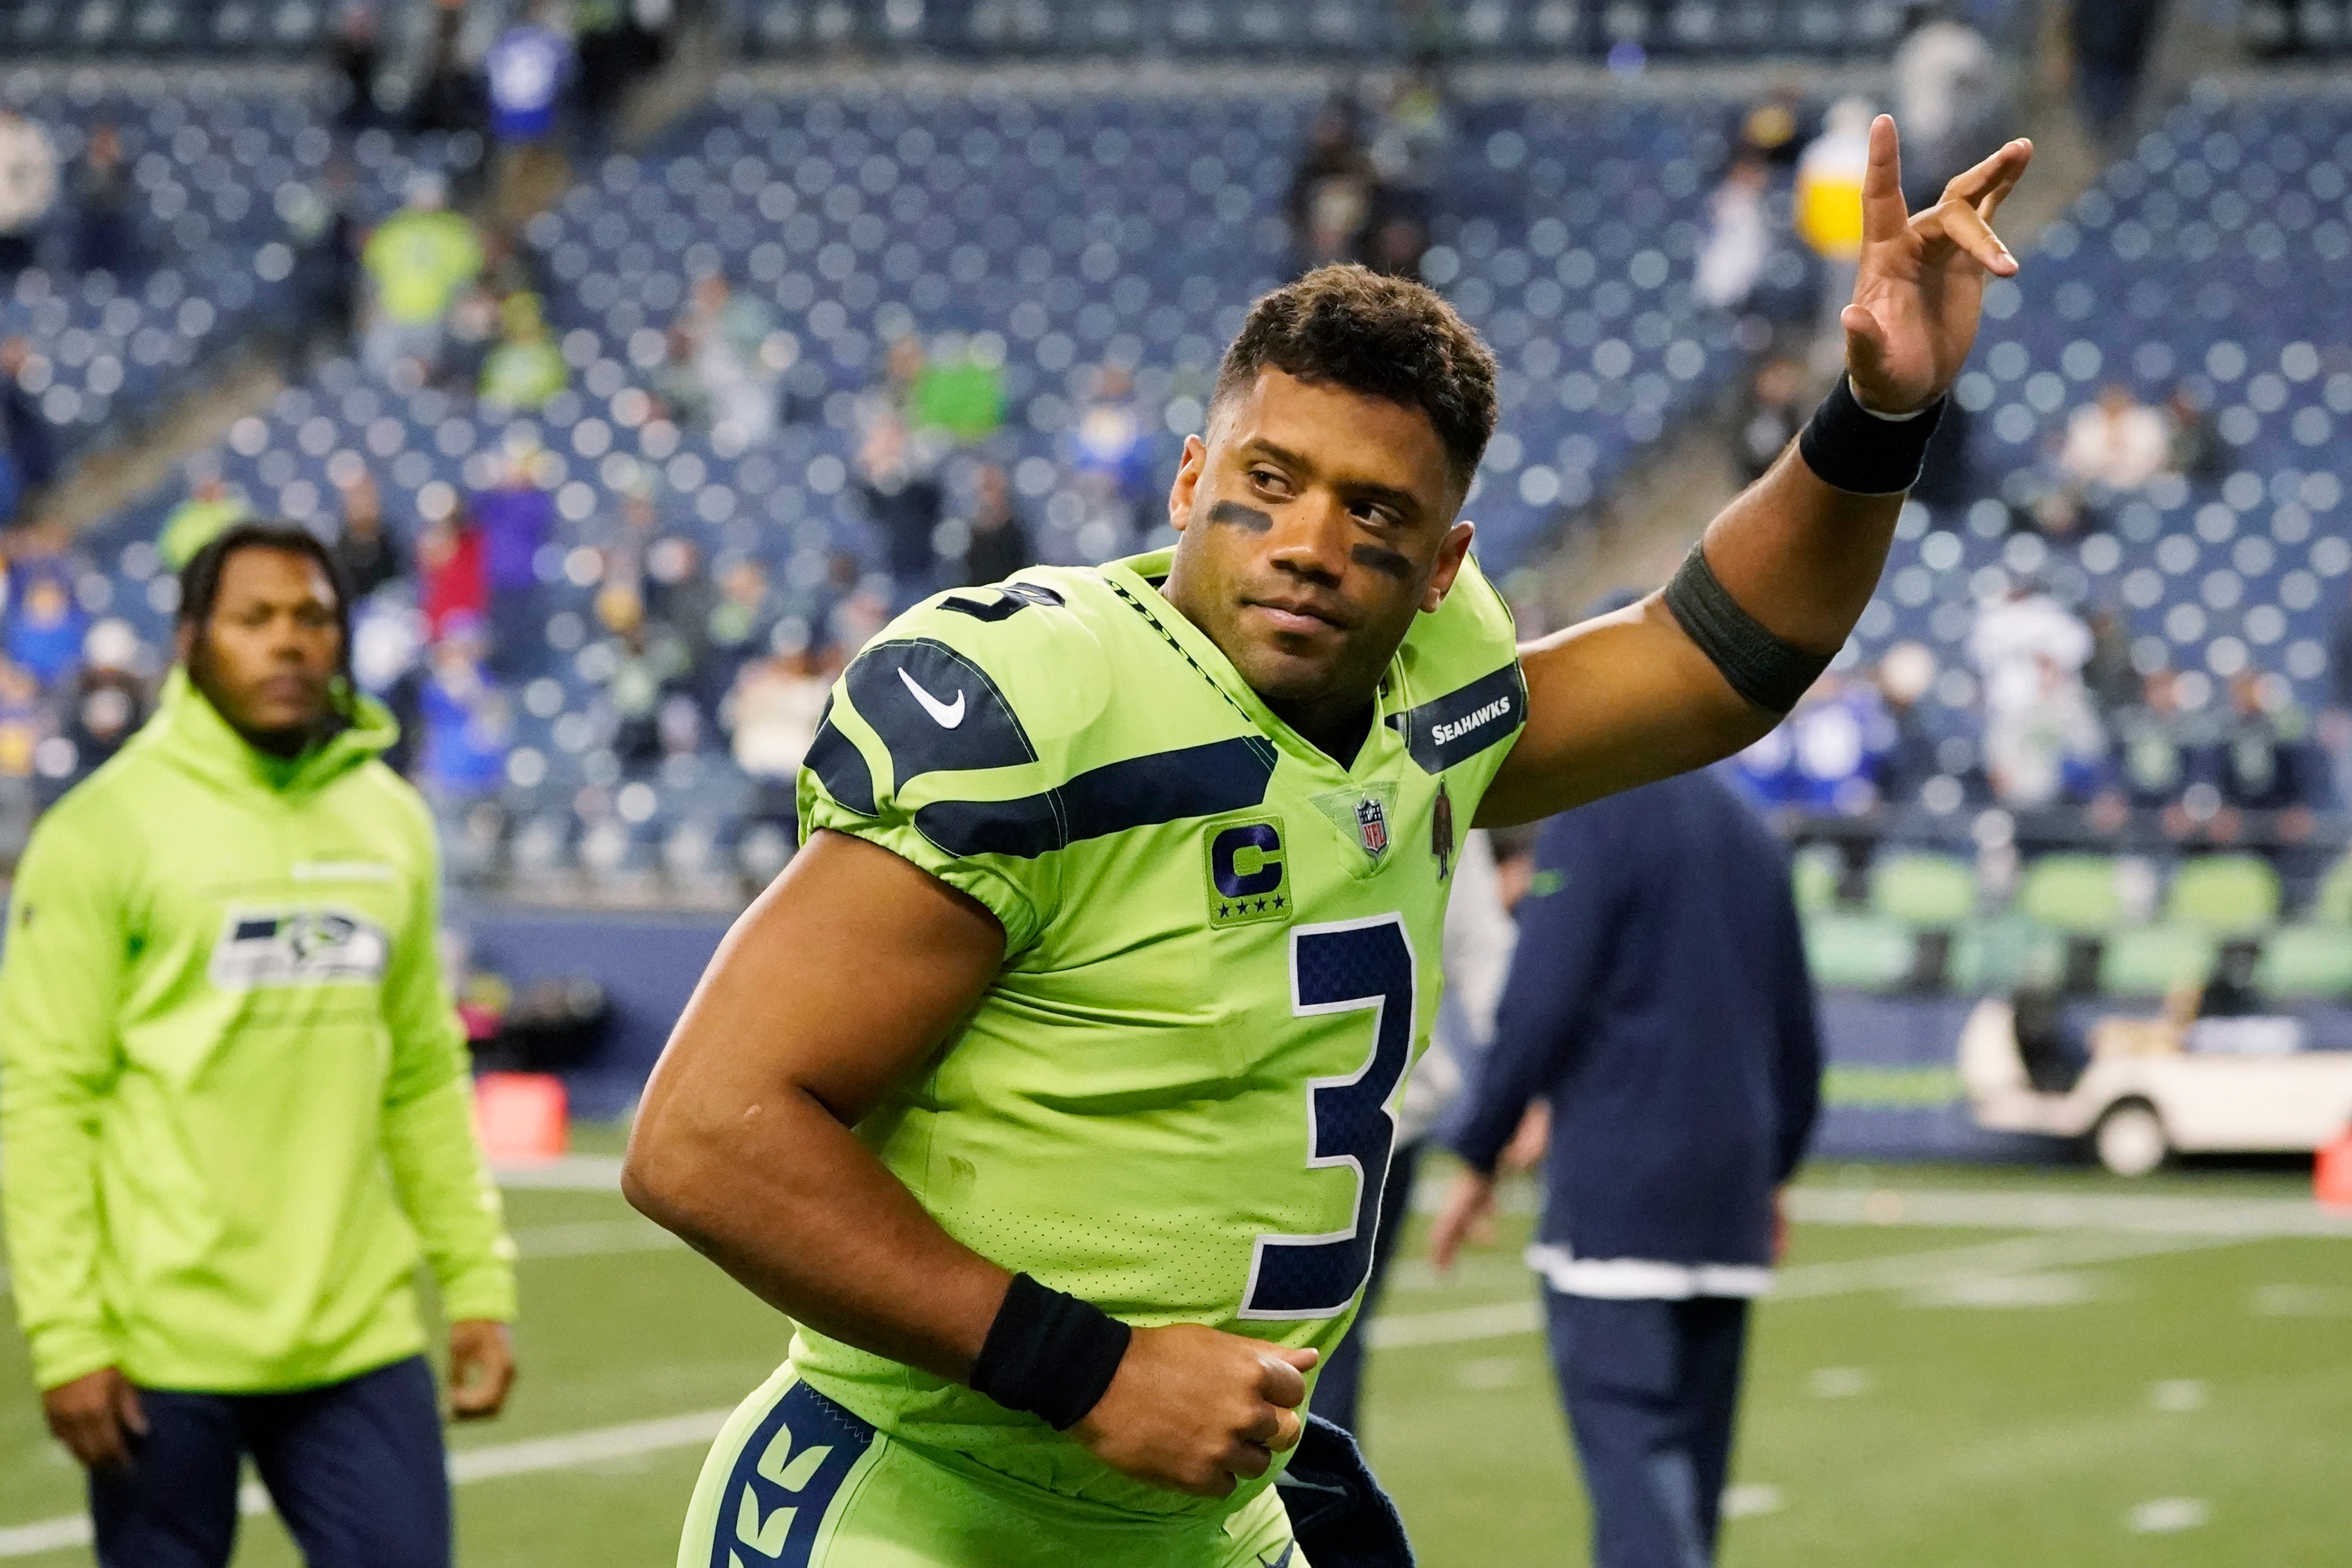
x: 1920, y: 291
x: 1192, y: 1407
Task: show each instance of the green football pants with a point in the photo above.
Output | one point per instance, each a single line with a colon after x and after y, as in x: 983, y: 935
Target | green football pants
x: 796, y: 1481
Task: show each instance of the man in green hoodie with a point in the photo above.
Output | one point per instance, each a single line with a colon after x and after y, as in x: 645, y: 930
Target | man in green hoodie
x: 234, y: 1105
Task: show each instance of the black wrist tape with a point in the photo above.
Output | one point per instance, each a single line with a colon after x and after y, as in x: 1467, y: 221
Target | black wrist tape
x: 1850, y: 448
x: 1760, y: 668
x: 1049, y: 1353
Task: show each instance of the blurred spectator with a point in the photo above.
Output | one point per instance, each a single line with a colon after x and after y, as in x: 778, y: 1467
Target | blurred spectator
x: 650, y: 661
x: 1775, y: 411
x: 450, y: 98
x: 772, y: 714
x: 2112, y: 681
x: 326, y: 236
x: 1330, y: 199
x: 1110, y: 451
x: 680, y: 597
x: 2118, y: 442
x: 1739, y: 238
x: 2257, y: 761
x: 354, y: 52
x: 612, y: 48
x: 468, y: 726
x: 109, y: 698
x: 46, y: 621
x: 23, y: 725
x: 1947, y: 96
x: 2111, y: 41
x: 526, y: 369
x: 905, y: 507
x: 368, y: 556
x: 528, y: 68
x: 2041, y: 741
x: 105, y: 202
x: 416, y: 261
x: 2195, y: 451
x: 452, y: 590
x: 1769, y: 132
x: 724, y: 369
x: 739, y: 623
x: 1828, y: 207
x: 517, y: 519
x: 960, y: 395
x: 2153, y: 737
x: 211, y: 506
x: 29, y: 459
x: 1827, y: 756
x: 28, y: 188
x: 1409, y: 144
x: 1000, y: 540
x: 1906, y: 672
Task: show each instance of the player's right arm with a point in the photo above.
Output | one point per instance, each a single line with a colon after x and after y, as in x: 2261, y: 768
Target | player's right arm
x: 67, y: 959
x: 840, y: 983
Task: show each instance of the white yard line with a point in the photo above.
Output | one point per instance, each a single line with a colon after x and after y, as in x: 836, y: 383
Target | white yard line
x: 531, y: 1457
x: 2029, y: 1210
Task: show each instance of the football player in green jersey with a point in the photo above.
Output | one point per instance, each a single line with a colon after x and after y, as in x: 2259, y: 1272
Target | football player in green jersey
x: 1050, y: 1088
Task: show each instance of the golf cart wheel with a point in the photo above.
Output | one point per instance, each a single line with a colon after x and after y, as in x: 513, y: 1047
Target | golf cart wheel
x: 2129, y: 1139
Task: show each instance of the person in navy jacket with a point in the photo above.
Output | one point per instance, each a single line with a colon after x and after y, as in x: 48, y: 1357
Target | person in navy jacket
x: 1659, y: 1004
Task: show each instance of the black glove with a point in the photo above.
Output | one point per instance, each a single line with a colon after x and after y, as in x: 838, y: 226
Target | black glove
x: 1338, y: 1511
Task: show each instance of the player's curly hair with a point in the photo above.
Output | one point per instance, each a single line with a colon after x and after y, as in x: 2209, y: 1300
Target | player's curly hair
x: 1384, y: 337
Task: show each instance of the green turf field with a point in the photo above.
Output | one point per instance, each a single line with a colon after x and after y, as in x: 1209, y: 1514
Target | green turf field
x: 1961, y: 1368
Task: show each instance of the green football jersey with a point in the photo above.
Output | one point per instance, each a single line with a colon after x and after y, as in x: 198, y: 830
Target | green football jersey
x: 1222, y: 949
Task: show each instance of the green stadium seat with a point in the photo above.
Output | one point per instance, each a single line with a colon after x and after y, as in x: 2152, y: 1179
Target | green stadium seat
x: 1813, y: 877
x: 1938, y: 891
x: 1858, y: 952
x: 1995, y: 956
x: 2150, y: 960
x: 2231, y: 894
x: 2334, y: 905
x: 2072, y: 892
x: 2303, y: 961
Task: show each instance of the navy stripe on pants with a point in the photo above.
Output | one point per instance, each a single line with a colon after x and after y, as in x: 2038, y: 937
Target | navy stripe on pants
x: 1652, y: 1390
x: 355, y: 1468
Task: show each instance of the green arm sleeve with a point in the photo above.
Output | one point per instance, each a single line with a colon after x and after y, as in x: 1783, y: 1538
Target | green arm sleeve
x: 437, y: 1168
x: 67, y: 959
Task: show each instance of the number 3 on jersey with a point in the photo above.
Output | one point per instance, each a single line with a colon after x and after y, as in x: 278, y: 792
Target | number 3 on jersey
x: 1354, y: 965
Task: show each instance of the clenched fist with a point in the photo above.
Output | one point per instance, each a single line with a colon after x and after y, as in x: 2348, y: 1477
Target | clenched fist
x: 1192, y: 1408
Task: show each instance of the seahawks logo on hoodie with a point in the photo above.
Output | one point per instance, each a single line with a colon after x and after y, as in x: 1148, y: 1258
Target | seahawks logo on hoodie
x: 262, y: 949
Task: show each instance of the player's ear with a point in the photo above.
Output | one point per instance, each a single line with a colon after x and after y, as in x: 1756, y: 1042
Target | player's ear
x: 1181, y: 495
x: 1450, y: 554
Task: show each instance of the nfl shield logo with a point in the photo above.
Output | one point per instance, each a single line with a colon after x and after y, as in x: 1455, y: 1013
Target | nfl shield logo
x: 1372, y: 826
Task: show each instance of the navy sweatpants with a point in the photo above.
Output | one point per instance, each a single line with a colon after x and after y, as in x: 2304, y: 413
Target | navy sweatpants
x: 355, y: 1470
x: 1652, y: 1390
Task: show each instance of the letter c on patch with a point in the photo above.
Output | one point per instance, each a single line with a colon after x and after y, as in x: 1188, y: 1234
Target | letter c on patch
x: 1246, y: 861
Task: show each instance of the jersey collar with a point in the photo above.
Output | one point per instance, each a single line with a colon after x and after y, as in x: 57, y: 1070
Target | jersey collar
x: 1140, y: 577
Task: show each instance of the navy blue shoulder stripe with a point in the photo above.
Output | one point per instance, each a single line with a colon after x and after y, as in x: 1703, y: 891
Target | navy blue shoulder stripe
x: 840, y: 766
x: 1139, y: 792
x: 935, y: 710
x: 1465, y: 721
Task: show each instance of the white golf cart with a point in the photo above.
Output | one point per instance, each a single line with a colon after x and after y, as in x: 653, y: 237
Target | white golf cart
x: 2158, y: 1086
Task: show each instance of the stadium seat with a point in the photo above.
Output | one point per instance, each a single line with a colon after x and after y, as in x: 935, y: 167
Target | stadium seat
x: 2153, y: 961
x: 1814, y: 876
x: 2077, y: 894
x: 2334, y: 905
x: 2233, y: 894
x: 1931, y: 891
x: 1858, y: 952
x: 2306, y: 962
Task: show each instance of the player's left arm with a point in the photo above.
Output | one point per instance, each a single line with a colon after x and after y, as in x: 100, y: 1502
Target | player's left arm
x: 1633, y: 697
x: 438, y: 1172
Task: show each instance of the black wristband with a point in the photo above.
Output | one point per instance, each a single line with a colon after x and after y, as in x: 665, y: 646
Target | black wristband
x: 1760, y: 668
x: 1049, y: 1353
x: 1850, y: 448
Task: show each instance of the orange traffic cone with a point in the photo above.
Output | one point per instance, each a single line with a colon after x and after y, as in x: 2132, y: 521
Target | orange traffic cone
x: 2331, y: 1174
x: 520, y: 1116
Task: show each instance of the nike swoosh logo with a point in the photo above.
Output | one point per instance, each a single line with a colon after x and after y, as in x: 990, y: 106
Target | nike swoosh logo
x: 947, y: 714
